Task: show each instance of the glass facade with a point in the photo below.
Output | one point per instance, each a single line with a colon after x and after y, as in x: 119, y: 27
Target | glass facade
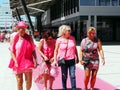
x: 5, y: 17
x: 87, y: 2
x: 99, y: 2
x: 63, y: 8
x: 107, y: 25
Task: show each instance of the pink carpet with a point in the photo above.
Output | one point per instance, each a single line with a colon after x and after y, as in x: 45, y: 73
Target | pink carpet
x: 57, y: 85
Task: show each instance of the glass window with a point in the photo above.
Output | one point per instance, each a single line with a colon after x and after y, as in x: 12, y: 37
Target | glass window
x: 114, y: 2
x: 103, y: 2
x: 87, y: 2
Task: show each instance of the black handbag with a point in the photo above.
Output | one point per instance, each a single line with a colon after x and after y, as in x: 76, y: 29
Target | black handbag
x: 86, y: 60
x: 62, y: 61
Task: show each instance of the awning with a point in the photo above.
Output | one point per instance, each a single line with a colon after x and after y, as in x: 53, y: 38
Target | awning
x: 35, y: 7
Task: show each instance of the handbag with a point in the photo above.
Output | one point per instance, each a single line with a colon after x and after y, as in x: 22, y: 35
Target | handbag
x: 62, y: 61
x: 86, y: 60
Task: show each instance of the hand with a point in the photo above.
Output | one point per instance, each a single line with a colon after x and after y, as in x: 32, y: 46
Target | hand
x: 82, y: 62
x: 52, y: 59
x: 46, y: 59
x: 54, y: 62
x: 35, y: 64
x: 103, y: 61
x: 16, y: 64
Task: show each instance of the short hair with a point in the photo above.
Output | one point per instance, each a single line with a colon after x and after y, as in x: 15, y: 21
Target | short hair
x: 62, y: 29
x: 91, y: 29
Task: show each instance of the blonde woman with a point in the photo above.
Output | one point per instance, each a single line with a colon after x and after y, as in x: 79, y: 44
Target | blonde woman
x: 22, y: 51
x: 66, y: 48
x: 89, y: 58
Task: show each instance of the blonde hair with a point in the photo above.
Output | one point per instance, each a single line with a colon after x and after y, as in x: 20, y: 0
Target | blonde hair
x: 91, y: 29
x: 62, y: 29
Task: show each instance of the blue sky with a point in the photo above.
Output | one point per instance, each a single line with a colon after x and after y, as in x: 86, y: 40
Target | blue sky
x: 3, y: 1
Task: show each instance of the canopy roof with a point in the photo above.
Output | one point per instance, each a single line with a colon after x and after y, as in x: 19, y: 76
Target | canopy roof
x: 35, y: 7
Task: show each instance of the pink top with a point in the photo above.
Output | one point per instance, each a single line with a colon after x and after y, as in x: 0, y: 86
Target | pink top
x: 48, y: 50
x: 70, y: 54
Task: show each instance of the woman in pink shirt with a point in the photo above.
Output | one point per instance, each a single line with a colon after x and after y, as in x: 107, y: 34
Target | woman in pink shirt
x: 23, y: 51
x: 46, y: 50
x: 66, y: 48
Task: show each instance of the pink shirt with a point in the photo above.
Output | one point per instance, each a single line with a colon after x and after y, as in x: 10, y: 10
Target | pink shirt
x: 70, y: 53
x: 48, y: 50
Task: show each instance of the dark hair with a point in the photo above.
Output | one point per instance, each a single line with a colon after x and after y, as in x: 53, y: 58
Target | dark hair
x: 47, y: 34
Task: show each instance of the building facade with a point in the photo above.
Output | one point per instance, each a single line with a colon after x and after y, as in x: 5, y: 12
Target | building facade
x: 5, y: 17
x: 104, y: 15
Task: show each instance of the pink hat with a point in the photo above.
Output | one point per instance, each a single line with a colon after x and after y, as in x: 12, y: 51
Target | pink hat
x: 21, y: 24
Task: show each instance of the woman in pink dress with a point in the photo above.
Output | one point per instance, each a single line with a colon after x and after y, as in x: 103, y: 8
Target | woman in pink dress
x: 46, y: 49
x: 23, y: 51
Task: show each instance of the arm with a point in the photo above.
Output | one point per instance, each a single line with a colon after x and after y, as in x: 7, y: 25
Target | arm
x: 81, y: 55
x: 35, y: 59
x: 56, y: 52
x: 101, y: 51
x: 81, y: 52
x: 76, y: 52
x: 40, y: 46
x: 14, y: 58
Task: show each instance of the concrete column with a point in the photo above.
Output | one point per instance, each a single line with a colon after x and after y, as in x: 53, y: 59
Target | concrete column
x: 39, y: 23
x: 95, y: 23
x: 89, y: 21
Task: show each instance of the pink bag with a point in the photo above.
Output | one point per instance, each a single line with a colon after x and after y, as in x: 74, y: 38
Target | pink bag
x: 54, y: 71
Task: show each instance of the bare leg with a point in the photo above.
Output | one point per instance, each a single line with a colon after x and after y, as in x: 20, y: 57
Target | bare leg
x: 93, y: 79
x: 28, y: 79
x: 51, y: 79
x: 19, y: 78
x: 86, y: 79
x: 45, y: 81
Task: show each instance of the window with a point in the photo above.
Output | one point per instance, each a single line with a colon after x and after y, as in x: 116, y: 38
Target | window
x: 103, y: 2
x: 114, y: 2
x: 87, y: 2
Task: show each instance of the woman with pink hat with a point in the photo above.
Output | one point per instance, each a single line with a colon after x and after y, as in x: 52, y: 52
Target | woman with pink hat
x: 23, y: 51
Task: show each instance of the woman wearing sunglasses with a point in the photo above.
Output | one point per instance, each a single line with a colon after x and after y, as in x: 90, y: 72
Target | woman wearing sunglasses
x: 89, y: 57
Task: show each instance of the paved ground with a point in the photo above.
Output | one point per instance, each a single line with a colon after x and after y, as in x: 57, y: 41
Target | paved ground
x: 109, y: 73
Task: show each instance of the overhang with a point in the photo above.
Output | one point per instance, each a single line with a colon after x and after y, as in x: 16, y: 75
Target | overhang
x: 35, y: 7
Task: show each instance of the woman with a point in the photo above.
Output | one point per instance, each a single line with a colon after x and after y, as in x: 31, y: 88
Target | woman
x: 66, y: 48
x: 23, y: 51
x: 46, y: 49
x: 89, y: 57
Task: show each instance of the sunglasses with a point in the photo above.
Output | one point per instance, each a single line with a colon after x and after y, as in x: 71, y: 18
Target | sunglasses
x: 92, y: 33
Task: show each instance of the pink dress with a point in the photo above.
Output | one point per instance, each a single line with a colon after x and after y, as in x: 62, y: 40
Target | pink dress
x: 70, y: 54
x: 44, y: 68
x: 23, y: 49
